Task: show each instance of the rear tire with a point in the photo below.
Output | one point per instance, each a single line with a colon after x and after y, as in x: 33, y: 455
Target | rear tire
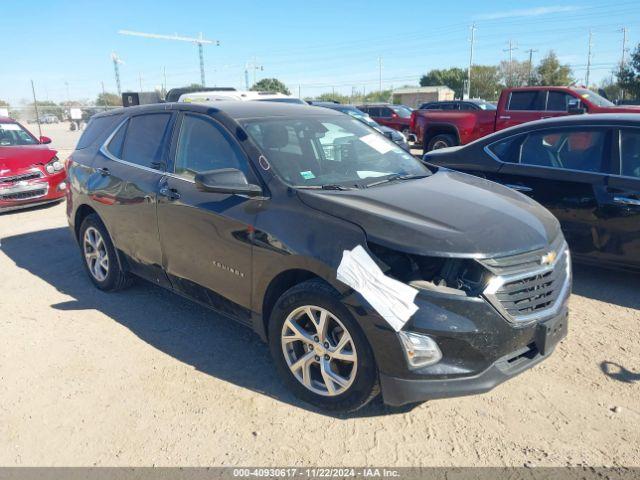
x: 306, y: 354
x: 443, y: 140
x: 99, y: 256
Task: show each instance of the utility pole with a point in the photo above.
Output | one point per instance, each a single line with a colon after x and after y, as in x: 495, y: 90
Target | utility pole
x: 35, y: 105
x: 471, y: 42
x: 116, y: 68
x: 253, y: 66
x: 624, y: 53
x: 589, y: 58
x: 164, y: 79
x: 199, y: 41
x: 531, y: 52
x: 624, y: 45
x: 299, y: 91
x: 140, y: 80
x: 380, y: 74
x: 104, y: 97
x: 511, y: 48
x: 66, y: 84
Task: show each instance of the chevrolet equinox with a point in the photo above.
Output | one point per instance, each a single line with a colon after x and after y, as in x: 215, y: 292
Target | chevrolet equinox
x: 364, y: 271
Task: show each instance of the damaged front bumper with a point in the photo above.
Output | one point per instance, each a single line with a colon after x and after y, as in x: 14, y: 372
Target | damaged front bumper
x: 480, y: 348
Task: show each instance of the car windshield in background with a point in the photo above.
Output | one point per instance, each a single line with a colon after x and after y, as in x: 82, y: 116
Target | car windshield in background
x: 403, y: 112
x: 487, y: 106
x: 364, y: 118
x: 330, y: 152
x: 594, y: 98
x: 12, y: 134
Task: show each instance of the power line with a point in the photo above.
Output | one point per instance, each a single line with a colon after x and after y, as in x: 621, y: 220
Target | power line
x: 531, y: 52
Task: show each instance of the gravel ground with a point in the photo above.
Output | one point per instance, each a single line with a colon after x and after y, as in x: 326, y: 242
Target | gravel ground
x: 143, y: 377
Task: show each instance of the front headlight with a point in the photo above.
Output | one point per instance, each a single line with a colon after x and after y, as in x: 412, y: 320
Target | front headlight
x: 419, y: 350
x: 54, y: 166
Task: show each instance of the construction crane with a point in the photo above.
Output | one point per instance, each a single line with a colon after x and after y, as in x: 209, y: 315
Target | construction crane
x: 116, y: 68
x: 200, y: 41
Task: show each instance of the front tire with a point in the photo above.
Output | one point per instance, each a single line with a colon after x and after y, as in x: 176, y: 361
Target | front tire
x: 320, y: 351
x: 99, y: 256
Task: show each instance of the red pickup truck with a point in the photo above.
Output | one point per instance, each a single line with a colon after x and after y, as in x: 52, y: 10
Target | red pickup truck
x: 458, y: 126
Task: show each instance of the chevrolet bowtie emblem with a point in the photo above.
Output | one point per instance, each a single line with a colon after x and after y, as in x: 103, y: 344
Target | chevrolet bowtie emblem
x: 548, y: 258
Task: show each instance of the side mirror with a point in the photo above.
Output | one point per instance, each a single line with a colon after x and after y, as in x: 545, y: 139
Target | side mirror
x: 575, y: 107
x: 226, y: 180
x: 44, y: 140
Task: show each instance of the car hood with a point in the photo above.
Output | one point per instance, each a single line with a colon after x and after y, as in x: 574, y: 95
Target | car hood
x: 445, y: 214
x: 24, y: 156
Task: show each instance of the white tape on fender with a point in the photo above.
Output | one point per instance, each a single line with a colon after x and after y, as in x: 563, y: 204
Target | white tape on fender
x: 392, y: 299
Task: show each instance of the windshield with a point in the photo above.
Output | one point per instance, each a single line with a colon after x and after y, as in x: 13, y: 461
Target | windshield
x: 328, y: 151
x: 486, y: 106
x: 364, y: 118
x: 402, y: 111
x: 594, y: 98
x: 12, y: 134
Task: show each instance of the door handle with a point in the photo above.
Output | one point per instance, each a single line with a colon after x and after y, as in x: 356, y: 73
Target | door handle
x: 519, y: 188
x: 170, y: 193
x: 104, y: 171
x: 627, y: 201
x: 505, y: 117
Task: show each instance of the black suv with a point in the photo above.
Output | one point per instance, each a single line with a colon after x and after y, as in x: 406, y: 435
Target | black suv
x: 363, y: 270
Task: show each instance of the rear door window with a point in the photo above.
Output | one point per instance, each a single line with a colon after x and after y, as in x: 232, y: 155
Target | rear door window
x: 145, y: 139
x: 528, y: 100
x: 630, y: 153
x: 558, y: 101
x: 586, y: 150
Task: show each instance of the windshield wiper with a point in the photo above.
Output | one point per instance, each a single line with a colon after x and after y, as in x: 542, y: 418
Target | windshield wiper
x: 329, y: 186
x: 397, y: 176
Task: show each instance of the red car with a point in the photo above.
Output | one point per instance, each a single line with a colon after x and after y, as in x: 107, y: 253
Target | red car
x: 397, y: 117
x: 30, y: 172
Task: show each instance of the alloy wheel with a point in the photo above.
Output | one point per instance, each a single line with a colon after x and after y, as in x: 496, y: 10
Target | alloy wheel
x: 319, y: 350
x: 95, y: 254
x: 439, y: 144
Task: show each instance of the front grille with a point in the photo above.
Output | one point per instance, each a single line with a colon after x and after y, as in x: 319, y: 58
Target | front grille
x: 525, y: 289
x: 21, y: 177
x: 24, y: 195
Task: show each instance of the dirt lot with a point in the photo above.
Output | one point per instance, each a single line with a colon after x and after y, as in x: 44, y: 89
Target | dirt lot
x: 143, y: 377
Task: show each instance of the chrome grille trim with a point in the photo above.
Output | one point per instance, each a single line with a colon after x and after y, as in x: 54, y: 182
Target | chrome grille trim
x: 524, y: 291
x: 32, y: 175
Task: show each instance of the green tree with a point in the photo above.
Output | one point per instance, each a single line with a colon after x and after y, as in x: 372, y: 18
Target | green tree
x: 4, y: 103
x: 515, y: 73
x: 551, y: 72
x: 108, y: 99
x: 611, y: 88
x: 333, y: 97
x: 452, y: 77
x: 628, y: 75
x: 271, y: 85
x: 485, y: 82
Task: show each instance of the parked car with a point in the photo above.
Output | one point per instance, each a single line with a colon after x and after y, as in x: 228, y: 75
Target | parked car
x: 255, y: 209
x: 585, y: 169
x: 30, y: 172
x: 49, y: 118
x: 463, y: 105
x: 397, y: 117
x: 393, y: 135
x: 445, y: 128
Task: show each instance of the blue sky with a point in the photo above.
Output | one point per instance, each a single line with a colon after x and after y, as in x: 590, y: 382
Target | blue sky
x: 318, y: 46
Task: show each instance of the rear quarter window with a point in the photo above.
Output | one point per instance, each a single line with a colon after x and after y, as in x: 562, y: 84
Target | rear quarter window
x: 95, y: 129
x: 531, y: 101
